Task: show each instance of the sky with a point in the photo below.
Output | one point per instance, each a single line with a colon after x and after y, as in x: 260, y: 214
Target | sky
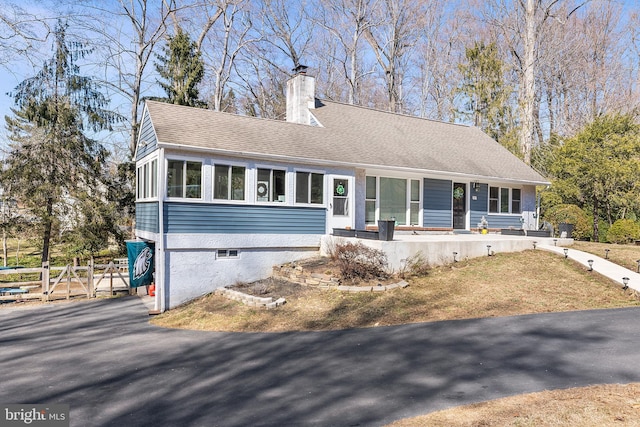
x: 20, y: 67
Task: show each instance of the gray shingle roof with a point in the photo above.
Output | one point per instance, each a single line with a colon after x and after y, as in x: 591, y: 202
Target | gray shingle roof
x: 349, y: 135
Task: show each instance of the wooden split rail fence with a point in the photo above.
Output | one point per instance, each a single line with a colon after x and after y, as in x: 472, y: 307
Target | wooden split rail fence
x: 68, y: 281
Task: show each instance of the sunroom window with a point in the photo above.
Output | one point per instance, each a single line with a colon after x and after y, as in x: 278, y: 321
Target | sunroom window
x: 184, y: 179
x: 228, y: 182
x: 309, y: 188
x: 271, y: 185
x: 147, y: 180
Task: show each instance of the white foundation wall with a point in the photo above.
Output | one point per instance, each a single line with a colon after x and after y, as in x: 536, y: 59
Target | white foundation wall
x: 438, y: 249
x: 193, y: 273
x: 193, y: 268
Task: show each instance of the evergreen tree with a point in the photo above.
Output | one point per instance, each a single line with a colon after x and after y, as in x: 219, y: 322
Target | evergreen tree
x: 182, y: 69
x: 52, y: 166
x: 485, y: 97
x: 599, y: 168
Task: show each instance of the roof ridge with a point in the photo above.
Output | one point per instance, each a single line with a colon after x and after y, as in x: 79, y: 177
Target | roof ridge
x: 363, y: 107
x: 226, y: 113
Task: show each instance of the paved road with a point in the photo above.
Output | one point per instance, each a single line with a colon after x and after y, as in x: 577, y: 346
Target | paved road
x: 114, y: 369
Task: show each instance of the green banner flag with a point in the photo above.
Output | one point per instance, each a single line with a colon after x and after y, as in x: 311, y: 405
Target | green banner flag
x: 141, y: 266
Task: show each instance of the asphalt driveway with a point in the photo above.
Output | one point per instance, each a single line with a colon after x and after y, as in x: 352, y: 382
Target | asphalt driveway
x: 114, y: 369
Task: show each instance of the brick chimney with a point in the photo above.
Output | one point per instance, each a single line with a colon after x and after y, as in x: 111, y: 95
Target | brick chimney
x: 300, y: 96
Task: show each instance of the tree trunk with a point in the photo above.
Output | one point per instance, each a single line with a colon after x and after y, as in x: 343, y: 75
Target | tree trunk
x: 46, y: 236
x: 4, y: 246
x: 595, y: 219
x: 528, y: 92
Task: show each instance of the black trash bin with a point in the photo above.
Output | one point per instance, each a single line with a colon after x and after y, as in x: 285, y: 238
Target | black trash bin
x: 565, y: 227
x: 385, y: 229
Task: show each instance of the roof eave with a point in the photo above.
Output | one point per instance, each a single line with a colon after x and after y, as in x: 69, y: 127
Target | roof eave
x: 336, y: 163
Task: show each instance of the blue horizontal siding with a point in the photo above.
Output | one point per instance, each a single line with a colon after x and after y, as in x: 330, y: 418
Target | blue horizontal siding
x: 478, y: 208
x: 437, y: 204
x: 147, y: 217
x: 243, y: 219
x: 147, y: 134
x: 504, y: 221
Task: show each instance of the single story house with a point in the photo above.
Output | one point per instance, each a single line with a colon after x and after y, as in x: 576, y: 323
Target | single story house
x: 225, y: 197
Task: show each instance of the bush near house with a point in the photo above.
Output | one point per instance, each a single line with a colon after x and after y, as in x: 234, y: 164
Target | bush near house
x: 623, y: 231
x: 359, y: 262
x: 571, y: 214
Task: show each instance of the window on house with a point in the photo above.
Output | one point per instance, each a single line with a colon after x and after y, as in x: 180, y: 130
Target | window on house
x: 370, y: 200
x: 154, y: 178
x: 271, y: 185
x: 393, y: 199
x: 228, y: 182
x: 227, y: 253
x: 516, y: 206
x: 309, y: 188
x: 396, y: 198
x: 504, y: 200
x: 414, y: 205
x: 139, y: 180
x: 147, y: 180
x: 184, y: 179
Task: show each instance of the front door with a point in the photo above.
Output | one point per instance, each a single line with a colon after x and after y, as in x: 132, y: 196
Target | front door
x: 459, y: 206
x: 340, y: 209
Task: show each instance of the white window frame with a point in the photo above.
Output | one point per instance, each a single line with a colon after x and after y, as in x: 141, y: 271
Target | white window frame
x: 247, y: 177
x: 184, y: 160
x: 408, y: 200
x: 271, y: 168
x: 309, y: 182
x: 147, y: 180
x: 222, y: 254
x: 500, y: 200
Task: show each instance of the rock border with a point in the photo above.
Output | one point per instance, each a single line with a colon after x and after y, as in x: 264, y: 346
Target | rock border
x: 250, y: 300
x: 296, y: 274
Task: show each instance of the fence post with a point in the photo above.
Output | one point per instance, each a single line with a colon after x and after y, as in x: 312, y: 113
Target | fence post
x: 110, y: 267
x: 90, y: 278
x: 45, y: 281
x: 69, y: 281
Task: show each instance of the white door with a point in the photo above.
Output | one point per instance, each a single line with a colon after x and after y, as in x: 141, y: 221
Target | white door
x: 341, y: 202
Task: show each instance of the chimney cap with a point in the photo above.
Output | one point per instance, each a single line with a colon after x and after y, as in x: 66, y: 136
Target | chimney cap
x: 300, y: 69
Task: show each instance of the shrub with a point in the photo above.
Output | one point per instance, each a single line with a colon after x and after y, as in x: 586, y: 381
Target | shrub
x: 571, y: 214
x: 360, y: 262
x: 623, y: 231
x: 415, y: 265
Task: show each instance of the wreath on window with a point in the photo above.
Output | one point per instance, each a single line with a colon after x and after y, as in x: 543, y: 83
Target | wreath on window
x: 458, y: 193
x: 263, y: 189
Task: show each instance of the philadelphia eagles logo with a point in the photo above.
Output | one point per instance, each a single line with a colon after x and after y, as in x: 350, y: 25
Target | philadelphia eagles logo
x: 142, y: 263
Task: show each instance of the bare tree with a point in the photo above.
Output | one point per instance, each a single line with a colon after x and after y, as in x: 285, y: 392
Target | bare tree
x: 521, y: 25
x: 345, y: 23
x: 221, y: 41
x: 127, y: 37
x: 286, y: 27
x: 393, y: 31
x: 21, y: 34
